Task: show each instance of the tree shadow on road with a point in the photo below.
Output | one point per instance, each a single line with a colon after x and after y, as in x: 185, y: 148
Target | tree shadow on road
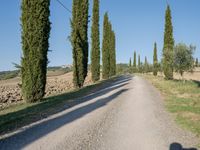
x: 24, y: 138
x: 177, y: 146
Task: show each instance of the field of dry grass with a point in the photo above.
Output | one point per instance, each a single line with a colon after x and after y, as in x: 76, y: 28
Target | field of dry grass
x: 195, y: 75
x: 182, y: 99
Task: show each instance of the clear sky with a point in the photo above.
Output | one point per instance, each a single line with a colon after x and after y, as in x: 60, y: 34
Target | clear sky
x: 137, y: 23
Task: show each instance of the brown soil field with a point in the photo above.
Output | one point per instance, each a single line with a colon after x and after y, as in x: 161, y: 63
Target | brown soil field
x: 10, y: 92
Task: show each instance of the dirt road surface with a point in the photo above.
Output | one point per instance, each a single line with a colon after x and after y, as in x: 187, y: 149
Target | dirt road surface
x: 127, y: 114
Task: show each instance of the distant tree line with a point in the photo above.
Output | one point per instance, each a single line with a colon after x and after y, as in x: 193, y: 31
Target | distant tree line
x: 35, y: 34
x: 175, y: 58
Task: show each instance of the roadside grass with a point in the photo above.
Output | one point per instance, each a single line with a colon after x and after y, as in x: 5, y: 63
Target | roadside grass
x: 23, y: 114
x: 182, y: 99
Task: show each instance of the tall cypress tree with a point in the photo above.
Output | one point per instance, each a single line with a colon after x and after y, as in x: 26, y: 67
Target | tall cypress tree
x: 146, y: 65
x: 112, y: 54
x: 79, y: 41
x: 139, y: 64
x: 95, y: 52
x: 130, y: 66
x: 155, y: 61
x: 197, y: 62
x: 105, y: 48
x: 84, y: 28
x: 134, y: 61
x: 35, y: 34
x: 130, y: 63
x: 168, y: 46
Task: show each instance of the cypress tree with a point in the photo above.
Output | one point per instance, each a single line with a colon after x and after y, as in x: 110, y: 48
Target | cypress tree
x: 134, y: 62
x: 35, y: 34
x: 139, y: 63
x: 95, y: 52
x: 112, y: 54
x: 130, y: 63
x: 79, y: 41
x: 105, y: 48
x: 84, y: 28
x: 130, y: 66
x: 146, y: 67
x: 168, y: 46
x: 155, y: 61
x: 197, y: 62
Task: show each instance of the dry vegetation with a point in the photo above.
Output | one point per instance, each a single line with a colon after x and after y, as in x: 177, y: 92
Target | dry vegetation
x: 182, y: 98
x: 195, y: 75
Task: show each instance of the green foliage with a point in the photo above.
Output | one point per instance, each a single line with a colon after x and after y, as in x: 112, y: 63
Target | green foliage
x: 79, y: 41
x: 112, y: 54
x: 155, y: 61
x: 84, y: 34
x: 130, y: 66
x: 183, y: 58
x: 134, y: 63
x: 105, y: 48
x: 95, y: 52
x: 197, y: 62
x: 35, y: 34
x: 168, y: 46
x: 146, y: 65
x: 139, y: 64
x: 108, y: 49
x: 130, y: 63
x: 122, y: 68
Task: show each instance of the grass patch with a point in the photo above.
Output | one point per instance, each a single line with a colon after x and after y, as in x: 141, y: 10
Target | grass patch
x: 182, y: 99
x: 22, y: 114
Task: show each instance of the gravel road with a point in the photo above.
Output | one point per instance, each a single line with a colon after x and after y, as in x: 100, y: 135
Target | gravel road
x: 127, y: 114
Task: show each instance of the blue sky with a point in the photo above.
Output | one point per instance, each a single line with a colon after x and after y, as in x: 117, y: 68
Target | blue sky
x: 137, y: 23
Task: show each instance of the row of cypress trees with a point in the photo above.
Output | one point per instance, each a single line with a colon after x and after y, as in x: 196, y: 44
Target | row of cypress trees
x: 35, y: 25
x: 144, y: 67
x: 168, y: 50
x: 108, y: 49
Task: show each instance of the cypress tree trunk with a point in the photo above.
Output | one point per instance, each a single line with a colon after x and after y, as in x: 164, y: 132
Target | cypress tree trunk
x: 35, y: 34
x: 168, y: 46
x: 95, y: 52
x: 155, y: 61
x: 79, y: 41
x: 105, y: 48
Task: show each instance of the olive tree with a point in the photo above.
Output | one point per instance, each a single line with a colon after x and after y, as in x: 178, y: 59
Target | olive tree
x: 183, y: 58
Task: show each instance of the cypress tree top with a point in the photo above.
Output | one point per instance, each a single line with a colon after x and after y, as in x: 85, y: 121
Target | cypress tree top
x: 168, y: 35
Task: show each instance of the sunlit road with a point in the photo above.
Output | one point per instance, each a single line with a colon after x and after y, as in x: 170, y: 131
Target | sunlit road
x: 127, y: 114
